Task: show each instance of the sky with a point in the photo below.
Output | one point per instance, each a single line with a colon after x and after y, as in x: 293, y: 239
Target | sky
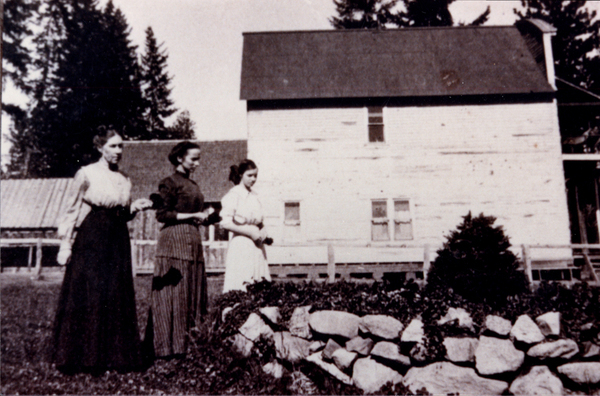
x: 203, y: 39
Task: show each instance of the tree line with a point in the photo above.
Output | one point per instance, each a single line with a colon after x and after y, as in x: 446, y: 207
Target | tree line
x: 79, y: 69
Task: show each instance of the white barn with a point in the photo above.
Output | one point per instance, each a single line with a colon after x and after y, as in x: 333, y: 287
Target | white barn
x: 375, y: 139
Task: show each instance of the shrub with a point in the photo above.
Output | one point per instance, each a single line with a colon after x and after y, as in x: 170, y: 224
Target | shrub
x: 476, y: 263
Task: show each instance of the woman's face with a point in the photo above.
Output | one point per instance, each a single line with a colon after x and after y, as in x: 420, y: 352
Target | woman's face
x: 112, y: 151
x: 249, y: 178
x: 191, y: 160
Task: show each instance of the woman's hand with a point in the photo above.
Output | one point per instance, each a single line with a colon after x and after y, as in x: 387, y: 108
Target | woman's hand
x: 254, y: 233
x: 63, y: 256
x: 201, y: 216
x: 263, y: 234
x: 140, y: 204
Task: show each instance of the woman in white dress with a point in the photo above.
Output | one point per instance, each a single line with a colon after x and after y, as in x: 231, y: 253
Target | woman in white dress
x: 242, y: 215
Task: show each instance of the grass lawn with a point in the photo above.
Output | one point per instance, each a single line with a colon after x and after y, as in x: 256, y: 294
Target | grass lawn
x: 28, y: 309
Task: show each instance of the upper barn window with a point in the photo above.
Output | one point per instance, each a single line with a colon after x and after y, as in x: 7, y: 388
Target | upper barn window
x: 375, y: 124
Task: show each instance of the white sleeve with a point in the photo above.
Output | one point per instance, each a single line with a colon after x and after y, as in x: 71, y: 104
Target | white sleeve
x: 228, y: 207
x: 68, y: 220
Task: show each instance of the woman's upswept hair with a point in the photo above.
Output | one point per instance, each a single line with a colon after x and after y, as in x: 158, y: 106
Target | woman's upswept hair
x: 237, y: 171
x: 180, y: 150
x: 103, y: 134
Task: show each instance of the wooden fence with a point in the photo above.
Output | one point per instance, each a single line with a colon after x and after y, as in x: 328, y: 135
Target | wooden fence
x: 333, y: 261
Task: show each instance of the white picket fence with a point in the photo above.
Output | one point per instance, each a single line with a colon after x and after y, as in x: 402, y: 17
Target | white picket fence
x: 332, y: 261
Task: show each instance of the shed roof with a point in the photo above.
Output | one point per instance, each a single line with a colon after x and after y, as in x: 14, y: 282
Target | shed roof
x: 34, y: 203
x: 388, y: 63
x: 38, y: 203
x: 146, y: 163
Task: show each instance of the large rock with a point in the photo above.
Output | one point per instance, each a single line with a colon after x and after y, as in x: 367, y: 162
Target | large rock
x: 255, y: 327
x: 560, y: 349
x: 496, y: 356
x: 289, y: 347
x: 343, y: 359
x: 587, y: 373
x: 390, y: 352
x: 360, y: 345
x: 460, y: 350
x: 330, y: 347
x: 371, y: 376
x: 273, y: 368
x: 497, y: 325
x: 549, y: 323
x: 539, y: 381
x: 590, y: 350
x: 317, y: 359
x: 381, y: 326
x: 334, y: 323
x: 272, y: 314
x: 525, y: 330
x: 414, y: 332
x: 457, y: 316
x: 444, y: 377
x: 316, y: 346
x: 298, y: 324
x: 241, y: 344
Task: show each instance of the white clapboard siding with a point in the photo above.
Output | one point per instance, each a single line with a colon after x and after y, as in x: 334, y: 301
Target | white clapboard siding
x: 502, y: 160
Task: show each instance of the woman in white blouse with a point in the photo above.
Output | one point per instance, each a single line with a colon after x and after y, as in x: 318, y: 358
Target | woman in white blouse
x: 242, y: 215
x: 96, y: 325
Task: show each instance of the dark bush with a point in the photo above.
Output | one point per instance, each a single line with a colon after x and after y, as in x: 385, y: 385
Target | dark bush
x: 476, y: 263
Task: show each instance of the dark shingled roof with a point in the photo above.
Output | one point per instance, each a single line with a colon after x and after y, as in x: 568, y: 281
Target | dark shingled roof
x: 146, y: 164
x: 411, y: 62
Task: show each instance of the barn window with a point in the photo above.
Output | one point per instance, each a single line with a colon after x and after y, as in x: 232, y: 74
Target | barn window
x: 402, y: 220
x: 375, y: 123
x: 379, y: 219
x: 292, y: 213
x: 291, y: 221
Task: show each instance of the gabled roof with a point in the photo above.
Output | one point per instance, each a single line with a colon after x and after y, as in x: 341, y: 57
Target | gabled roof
x: 34, y: 203
x: 410, y: 62
x: 146, y: 163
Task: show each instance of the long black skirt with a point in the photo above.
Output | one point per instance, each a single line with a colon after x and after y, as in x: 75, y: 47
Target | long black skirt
x: 96, y: 325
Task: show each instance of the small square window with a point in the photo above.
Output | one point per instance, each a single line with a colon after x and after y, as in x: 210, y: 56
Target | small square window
x: 292, y: 213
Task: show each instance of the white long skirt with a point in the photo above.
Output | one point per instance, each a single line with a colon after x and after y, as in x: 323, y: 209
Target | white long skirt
x: 245, y: 263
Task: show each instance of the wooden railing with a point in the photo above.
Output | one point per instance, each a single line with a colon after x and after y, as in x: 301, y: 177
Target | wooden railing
x: 328, y: 260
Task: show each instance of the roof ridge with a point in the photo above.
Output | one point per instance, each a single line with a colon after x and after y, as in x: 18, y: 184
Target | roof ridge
x: 404, y: 29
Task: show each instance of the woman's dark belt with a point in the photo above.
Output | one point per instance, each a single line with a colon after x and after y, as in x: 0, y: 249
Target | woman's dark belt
x: 192, y: 222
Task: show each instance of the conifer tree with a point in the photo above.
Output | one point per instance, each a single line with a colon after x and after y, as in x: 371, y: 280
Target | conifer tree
x: 371, y: 14
x: 476, y: 263
x: 155, y: 85
x: 183, y: 128
x: 577, y: 42
x: 16, y: 17
x: 93, y: 81
x: 364, y: 14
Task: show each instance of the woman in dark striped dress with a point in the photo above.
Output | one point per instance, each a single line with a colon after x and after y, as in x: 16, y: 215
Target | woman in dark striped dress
x: 179, y: 293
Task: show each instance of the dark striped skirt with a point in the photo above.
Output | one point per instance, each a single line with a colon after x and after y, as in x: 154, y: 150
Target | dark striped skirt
x: 96, y: 325
x: 179, y: 297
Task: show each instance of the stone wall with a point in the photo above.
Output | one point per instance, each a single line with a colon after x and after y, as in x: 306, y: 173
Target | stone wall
x: 526, y: 357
